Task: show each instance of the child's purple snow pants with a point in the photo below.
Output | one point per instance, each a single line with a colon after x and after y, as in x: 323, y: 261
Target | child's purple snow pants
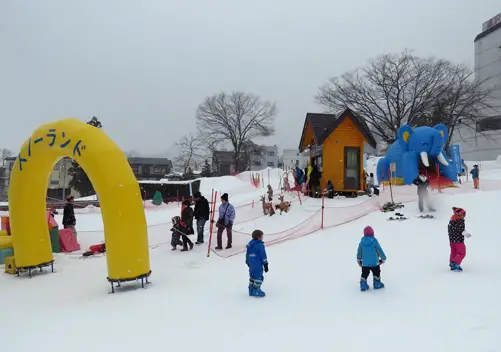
x: 458, y: 252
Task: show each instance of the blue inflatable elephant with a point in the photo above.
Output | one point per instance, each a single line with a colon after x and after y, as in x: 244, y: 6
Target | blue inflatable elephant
x: 425, y: 144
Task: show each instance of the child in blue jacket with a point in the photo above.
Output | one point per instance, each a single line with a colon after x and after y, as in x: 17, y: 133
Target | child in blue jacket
x: 256, y: 261
x: 369, y: 257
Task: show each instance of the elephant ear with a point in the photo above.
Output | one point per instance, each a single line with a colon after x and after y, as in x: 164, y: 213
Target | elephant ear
x: 404, y: 136
x: 438, y: 143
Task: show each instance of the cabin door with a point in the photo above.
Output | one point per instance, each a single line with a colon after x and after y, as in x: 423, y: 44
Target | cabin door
x: 352, y: 168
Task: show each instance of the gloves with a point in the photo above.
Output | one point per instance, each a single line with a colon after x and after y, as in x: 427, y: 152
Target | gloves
x: 466, y: 234
x: 381, y: 261
x: 359, y: 261
x: 265, y: 267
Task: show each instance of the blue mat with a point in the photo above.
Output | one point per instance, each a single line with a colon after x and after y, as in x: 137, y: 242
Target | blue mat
x: 5, y: 252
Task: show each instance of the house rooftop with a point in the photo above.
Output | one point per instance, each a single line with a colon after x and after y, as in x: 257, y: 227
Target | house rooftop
x: 153, y: 161
x: 324, y: 124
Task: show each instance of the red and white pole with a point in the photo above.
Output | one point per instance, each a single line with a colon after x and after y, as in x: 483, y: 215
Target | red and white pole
x: 211, y: 225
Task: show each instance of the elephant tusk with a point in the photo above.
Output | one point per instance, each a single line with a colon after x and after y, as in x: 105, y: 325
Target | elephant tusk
x: 442, y: 159
x: 424, y: 159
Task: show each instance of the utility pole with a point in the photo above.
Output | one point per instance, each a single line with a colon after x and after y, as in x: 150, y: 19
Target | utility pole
x: 63, y: 168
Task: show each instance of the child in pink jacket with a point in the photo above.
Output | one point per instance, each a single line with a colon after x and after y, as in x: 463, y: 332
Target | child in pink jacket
x: 457, y: 234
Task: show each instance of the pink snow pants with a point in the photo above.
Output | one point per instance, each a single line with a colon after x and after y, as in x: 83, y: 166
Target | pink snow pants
x: 458, y: 252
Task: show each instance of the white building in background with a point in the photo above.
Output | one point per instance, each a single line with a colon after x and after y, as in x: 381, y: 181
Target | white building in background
x: 484, y: 143
x: 59, y: 179
x: 266, y: 156
x: 292, y: 158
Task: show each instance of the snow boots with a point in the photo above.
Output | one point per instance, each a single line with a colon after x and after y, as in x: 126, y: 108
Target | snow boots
x: 255, y: 288
x: 377, y: 283
x: 364, y: 286
x: 455, y: 267
x: 185, y: 248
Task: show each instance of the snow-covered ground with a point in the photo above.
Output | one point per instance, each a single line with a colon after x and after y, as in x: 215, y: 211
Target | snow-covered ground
x: 313, y: 299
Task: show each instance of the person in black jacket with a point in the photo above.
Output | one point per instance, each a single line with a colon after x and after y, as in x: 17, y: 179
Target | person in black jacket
x: 201, y: 214
x: 69, y: 220
x: 315, y: 177
x: 422, y: 184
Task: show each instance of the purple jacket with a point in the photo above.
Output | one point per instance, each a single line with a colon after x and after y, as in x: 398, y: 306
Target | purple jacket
x: 227, y: 213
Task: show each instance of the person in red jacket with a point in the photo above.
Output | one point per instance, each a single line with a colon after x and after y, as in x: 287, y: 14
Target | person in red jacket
x: 95, y: 249
x: 180, y: 230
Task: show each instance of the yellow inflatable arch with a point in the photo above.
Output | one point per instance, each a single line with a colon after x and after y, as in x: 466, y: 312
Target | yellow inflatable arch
x: 124, y: 221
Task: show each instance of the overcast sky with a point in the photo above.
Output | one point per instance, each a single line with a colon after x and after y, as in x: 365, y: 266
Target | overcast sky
x: 143, y: 66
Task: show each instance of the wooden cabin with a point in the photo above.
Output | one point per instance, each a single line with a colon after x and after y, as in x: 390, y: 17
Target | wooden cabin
x: 336, y: 144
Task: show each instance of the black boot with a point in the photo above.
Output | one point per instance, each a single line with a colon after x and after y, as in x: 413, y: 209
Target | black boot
x: 185, y: 249
x: 191, y: 246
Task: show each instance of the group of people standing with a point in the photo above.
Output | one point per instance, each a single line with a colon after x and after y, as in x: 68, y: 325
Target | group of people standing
x: 309, y: 180
x: 183, y: 225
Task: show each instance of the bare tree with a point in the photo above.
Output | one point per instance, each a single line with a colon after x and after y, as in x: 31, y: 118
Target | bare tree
x: 463, y: 103
x: 5, y: 153
x: 190, y: 151
x: 393, y: 90
x: 237, y: 118
x: 249, y: 153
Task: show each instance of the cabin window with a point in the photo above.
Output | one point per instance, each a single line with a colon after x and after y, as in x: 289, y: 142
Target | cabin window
x: 352, y: 164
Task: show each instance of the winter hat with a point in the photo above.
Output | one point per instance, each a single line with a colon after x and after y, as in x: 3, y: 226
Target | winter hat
x: 368, y: 231
x: 225, y: 197
x: 459, y: 212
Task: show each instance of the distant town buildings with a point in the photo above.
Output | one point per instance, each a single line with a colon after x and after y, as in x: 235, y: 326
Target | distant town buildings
x: 265, y: 156
x: 292, y: 158
x: 150, y: 168
x: 58, y: 182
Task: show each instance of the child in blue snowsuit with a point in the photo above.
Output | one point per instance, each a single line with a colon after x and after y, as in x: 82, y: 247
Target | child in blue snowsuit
x: 256, y: 260
x: 370, y: 256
